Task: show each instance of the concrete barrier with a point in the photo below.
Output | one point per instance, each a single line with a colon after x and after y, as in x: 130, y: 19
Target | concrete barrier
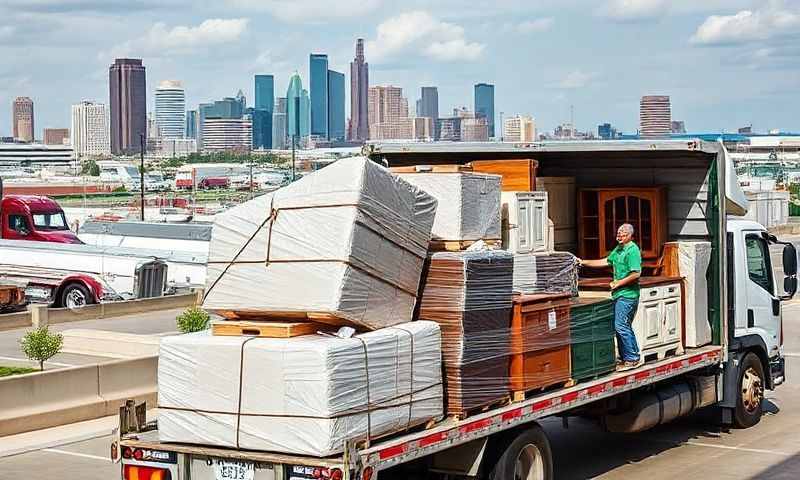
x: 11, y: 321
x: 103, y: 343
x: 59, y: 397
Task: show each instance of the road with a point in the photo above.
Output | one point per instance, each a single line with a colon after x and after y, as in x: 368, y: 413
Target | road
x: 688, y: 448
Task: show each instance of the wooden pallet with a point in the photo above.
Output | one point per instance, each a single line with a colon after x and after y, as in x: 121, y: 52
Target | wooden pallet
x: 521, y: 395
x: 267, y: 329
x: 432, y: 169
x: 297, y: 317
x: 457, y: 245
x: 662, y: 352
x: 499, y: 402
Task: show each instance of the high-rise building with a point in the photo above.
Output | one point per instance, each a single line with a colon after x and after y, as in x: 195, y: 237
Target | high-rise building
x: 228, y: 107
x: 388, y: 113
x: 227, y: 134
x: 336, y: 128
x: 22, y: 119
x: 56, y: 136
x: 474, y: 130
x: 318, y: 69
x: 422, y: 128
x: 192, y: 123
x: 484, y: 104
x: 297, y: 109
x: 128, y: 102
x: 520, y: 128
x: 170, y: 100
x: 263, y: 108
x: 90, y: 131
x: 655, y: 116
x: 358, y: 129
x: 428, y: 104
x: 279, y: 135
x: 241, y: 99
x: 678, y: 127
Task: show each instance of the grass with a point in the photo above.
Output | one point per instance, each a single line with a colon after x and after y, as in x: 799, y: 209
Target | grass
x: 8, y: 371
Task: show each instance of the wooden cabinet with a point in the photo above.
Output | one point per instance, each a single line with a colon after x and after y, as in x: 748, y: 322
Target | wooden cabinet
x: 657, y: 324
x: 518, y: 175
x: 602, y: 210
x: 524, y: 220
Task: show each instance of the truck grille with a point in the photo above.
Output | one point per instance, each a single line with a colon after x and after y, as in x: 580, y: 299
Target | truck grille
x: 151, y: 279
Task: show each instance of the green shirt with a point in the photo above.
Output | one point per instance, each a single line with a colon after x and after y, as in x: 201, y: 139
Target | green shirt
x: 625, y: 259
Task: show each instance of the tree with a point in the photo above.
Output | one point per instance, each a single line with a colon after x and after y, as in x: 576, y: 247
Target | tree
x: 40, y: 345
x: 91, y: 168
x: 193, y: 319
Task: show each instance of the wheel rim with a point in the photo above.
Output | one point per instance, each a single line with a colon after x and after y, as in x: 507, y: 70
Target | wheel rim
x: 530, y: 464
x: 75, y: 299
x: 752, y: 390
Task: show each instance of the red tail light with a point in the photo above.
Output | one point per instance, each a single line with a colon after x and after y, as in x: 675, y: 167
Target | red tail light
x: 336, y: 474
x: 132, y: 472
x: 367, y: 475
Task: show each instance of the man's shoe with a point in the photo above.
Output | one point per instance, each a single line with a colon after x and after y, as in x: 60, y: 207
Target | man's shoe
x: 625, y: 366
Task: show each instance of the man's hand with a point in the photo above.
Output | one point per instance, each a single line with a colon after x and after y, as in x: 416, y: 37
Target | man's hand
x: 613, y: 284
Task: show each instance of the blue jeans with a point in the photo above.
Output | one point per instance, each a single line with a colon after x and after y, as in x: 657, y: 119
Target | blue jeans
x: 624, y: 311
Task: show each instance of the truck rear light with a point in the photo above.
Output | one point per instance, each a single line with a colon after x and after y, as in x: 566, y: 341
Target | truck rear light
x: 127, y: 452
x: 336, y: 474
x: 133, y: 472
x: 367, y: 475
x: 138, y: 454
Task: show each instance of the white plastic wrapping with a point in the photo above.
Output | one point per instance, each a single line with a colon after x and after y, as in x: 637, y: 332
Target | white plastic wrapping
x: 304, y: 395
x: 693, y: 261
x: 468, y: 204
x: 347, y: 241
x: 554, y: 272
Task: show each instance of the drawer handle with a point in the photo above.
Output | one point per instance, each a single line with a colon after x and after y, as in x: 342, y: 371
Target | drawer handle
x: 671, y: 289
x: 653, y: 292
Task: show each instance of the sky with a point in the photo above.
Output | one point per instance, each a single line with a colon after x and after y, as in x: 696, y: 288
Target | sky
x: 725, y: 63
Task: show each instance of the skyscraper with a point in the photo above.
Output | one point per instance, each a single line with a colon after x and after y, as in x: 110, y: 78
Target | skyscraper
x: 227, y: 134
x: 262, y: 115
x: 388, y: 113
x: 297, y: 108
x: 170, y: 102
x: 336, y: 128
x: 484, y: 104
x: 128, y: 102
x: 279, y: 124
x: 318, y: 68
x: 429, y: 103
x: 228, y: 107
x: 22, y: 119
x: 358, y: 130
x: 242, y: 100
x: 519, y: 128
x: 655, y: 117
x: 90, y: 129
x: 192, y: 122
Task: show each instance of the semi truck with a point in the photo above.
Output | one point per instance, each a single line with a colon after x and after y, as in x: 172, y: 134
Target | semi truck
x: 729, y: 375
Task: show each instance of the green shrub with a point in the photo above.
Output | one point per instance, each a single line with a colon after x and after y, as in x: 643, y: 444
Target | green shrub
x: 40, y: 345
x: 193, y: 319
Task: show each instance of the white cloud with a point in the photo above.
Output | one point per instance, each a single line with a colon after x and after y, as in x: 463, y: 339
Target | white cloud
x: 162, y: 40
x: 534, y: 26
x: 746, y: 26
x: 576, y: 79
x: 634, y: 10
x: 421, y: 32
x: 309, y: 11
x: 6, y: 31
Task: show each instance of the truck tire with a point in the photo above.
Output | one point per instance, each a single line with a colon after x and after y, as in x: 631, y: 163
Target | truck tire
x: 75, y: 295
x: 750, y: 392
x: 526, y: 457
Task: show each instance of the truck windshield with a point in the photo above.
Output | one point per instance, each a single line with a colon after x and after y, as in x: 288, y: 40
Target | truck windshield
x: 50, y: 221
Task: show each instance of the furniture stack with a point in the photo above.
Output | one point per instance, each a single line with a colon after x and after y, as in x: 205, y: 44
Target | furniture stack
x: 592, y: 337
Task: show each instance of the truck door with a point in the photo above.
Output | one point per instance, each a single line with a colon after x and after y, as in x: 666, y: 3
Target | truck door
x: 763, y: 305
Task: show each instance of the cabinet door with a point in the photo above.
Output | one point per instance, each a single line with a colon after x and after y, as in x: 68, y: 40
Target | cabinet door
x: 637, y: 209
x: 539, y: 226
x: 653, y: 324
x: 672, y: 320
x: 523, y: 225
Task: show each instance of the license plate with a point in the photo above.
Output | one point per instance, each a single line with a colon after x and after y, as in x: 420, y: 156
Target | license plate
x: 231, y: 470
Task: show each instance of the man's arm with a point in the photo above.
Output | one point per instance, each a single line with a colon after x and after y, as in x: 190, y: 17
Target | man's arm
x: 599, y: 263
x: 632, y: 277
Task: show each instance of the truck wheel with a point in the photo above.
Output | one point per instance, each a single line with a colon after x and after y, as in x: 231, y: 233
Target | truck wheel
x: 527, y: 457
x: 75, y: 295
x: 751, y: 392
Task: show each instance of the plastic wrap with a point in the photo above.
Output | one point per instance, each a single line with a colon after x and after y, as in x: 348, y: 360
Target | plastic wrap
x: 693, y: 261
x: 304, y: 395
x: 555, y: 272
x: 592, y: 337
x: 468, y: 204
x: 347, y: 242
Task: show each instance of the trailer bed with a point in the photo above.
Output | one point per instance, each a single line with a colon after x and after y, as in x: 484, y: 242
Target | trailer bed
x: 451, y: 432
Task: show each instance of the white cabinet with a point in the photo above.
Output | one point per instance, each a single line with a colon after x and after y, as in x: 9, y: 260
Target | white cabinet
x: 658, y: 324
x: 525, y: 222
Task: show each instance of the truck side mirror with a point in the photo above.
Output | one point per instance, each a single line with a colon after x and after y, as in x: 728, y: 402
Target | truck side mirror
x: 789, y: 259
x: 790, y: 286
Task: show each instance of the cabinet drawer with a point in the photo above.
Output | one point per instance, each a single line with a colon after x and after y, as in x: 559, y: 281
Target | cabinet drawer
x: 647, y: 294
x: 671, y: 291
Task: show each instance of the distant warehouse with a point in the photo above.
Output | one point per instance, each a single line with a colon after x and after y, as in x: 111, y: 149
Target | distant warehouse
x: 26, y: 154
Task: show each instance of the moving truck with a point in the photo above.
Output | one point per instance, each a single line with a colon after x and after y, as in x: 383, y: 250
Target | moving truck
x: 730, y: 374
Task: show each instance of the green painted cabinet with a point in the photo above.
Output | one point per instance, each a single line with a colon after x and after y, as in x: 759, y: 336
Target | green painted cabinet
x: 592, y: 337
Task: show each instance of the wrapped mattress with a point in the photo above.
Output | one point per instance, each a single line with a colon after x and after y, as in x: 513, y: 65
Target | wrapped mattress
x: 469, y: 295
x: 304, y: 395
x: 468, y: 204
x: 554, y: 272
x: 694, y: 258
x: 345, y: 244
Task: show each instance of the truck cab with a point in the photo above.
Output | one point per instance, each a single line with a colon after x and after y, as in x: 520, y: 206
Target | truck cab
x: 34, y: 218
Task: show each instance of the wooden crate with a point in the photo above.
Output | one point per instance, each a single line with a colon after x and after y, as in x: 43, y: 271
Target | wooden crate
x: 592, y: 337
x: 518, y: 175
x: 540, y: 342
x: 266, y: 329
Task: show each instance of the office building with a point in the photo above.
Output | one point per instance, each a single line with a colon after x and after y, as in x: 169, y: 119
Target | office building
x: 22, y: 119
x: 336, y: 121
x: 170, y: 118
x: 484, y: 104
x: 192, y: 123
x: 176, y: 147
x: 90, y: 131
x: 128, y: 104
x: 56, y: 136
x: 655, y: 117
x: 388, y: 113
x: 228, y: 107
x: 241, y: 100
x: 279, y: 133
x: 263, y: 109
x: 449, y: 129
x: 519, y: 128
x: 606, y: 131
x: 318, y: 69
x: 358, y: 128
x: 27, y: 154
x: 297, y: 109
x: 422, y: 128
x: 474, y: 130
x: 227, y: 134
x: 428, y: 104
x: 678, y: 127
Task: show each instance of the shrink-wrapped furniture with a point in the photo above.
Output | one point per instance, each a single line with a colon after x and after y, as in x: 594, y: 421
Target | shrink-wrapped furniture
x: 525, y: 223
x: 469, y: 295
x: 592, y: 335
x: 554, y: 272
x: 468, y: 204
x: 690, y: 260
x: 345, y: 244
x: 304, y: 395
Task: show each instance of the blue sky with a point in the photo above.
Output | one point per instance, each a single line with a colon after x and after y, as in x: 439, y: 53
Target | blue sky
x: 725, y: 63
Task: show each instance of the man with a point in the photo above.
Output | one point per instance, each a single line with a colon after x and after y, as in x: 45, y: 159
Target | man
x: 626, y: 262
